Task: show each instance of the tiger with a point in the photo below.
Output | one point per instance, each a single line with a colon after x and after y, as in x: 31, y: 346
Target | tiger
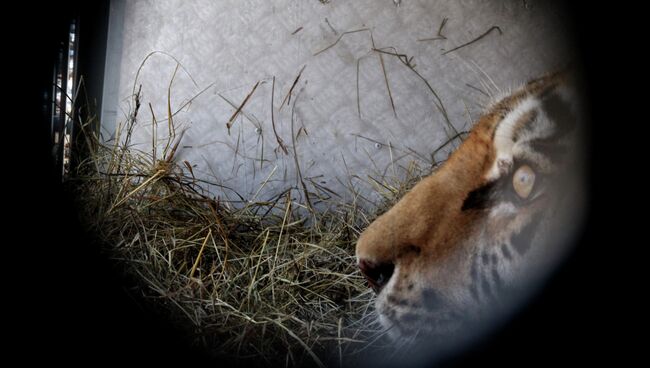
x: 482, y: 229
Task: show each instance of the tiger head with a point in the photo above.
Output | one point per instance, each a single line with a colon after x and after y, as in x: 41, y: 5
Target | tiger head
x: 481, y: 227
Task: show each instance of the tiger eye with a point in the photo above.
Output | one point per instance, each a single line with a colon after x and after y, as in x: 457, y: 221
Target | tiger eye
x: 523, y: 181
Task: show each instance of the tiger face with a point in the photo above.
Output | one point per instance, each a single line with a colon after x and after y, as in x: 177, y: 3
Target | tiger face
x: 479, y: 229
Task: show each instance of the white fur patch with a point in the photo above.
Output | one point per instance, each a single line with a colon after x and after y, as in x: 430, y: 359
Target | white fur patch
x: 503, y: 210
x: 503, y: 140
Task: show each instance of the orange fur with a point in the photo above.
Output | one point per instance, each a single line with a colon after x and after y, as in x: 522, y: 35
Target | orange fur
x: 429, y: 215
x: 425, y: 235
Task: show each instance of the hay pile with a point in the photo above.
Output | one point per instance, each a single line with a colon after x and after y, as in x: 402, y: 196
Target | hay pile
x: 267, y: 282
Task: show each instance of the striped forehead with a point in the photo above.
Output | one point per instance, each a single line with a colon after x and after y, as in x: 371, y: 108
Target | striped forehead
x: 518, y: 121
x: 508, y: 132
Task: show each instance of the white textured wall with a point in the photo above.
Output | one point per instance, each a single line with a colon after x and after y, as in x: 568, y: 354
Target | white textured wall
x: 228, y: 46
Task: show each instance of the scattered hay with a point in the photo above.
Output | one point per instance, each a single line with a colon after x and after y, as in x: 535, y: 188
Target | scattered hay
x: 266, y: 283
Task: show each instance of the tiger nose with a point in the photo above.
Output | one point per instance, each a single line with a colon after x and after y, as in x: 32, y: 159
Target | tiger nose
x: 377, y: 274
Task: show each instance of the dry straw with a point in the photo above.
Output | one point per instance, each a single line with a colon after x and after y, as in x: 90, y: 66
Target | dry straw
x: 271, y: 283
x: 263, y: 282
